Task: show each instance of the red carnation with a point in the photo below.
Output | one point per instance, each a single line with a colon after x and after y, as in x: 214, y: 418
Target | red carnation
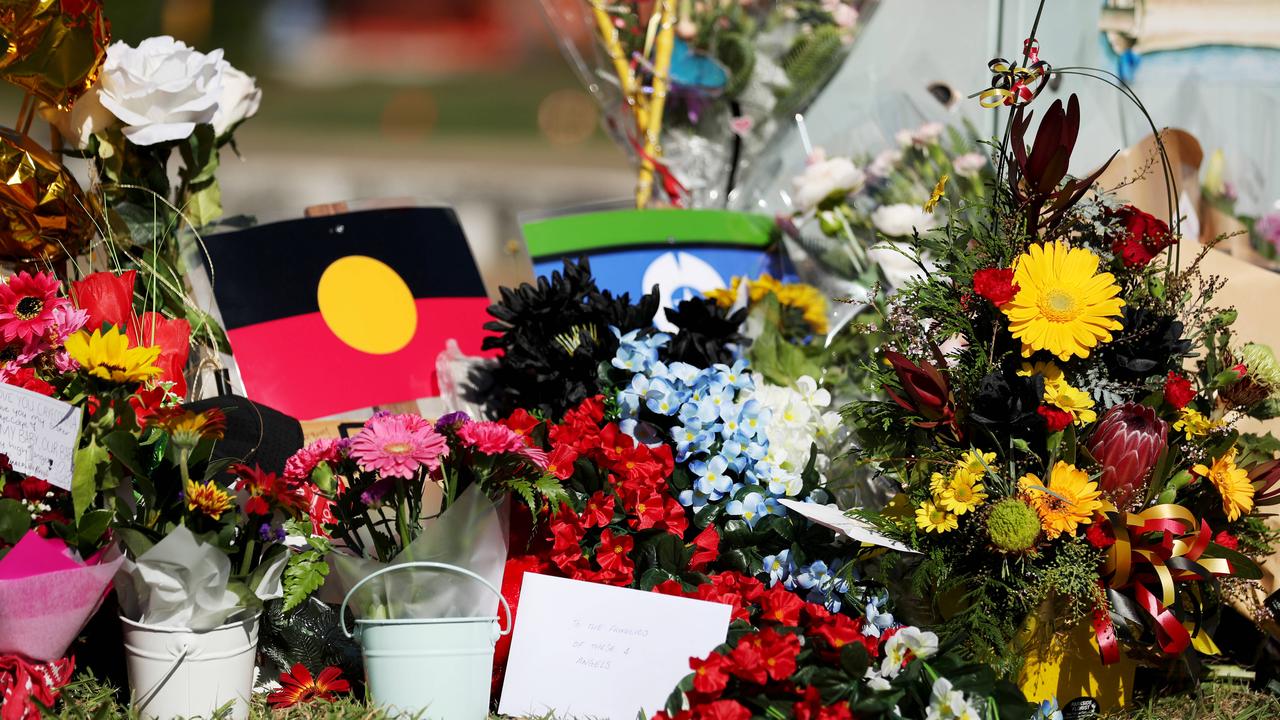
x: 996, y: 285
x: 1227, y: 540
x: 1145, y: 236
x: 782, y: 606
x: 710, y: 675
x: 1178, y: 391
x: 1054, y: 418
x: 1100, y: 535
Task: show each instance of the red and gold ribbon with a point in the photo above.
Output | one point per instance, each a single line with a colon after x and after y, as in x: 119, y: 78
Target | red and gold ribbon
x: 1013, y: 84
x: 1154, y: 552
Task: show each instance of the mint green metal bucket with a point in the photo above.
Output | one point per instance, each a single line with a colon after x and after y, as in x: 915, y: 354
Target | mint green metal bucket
x: 438, y: 667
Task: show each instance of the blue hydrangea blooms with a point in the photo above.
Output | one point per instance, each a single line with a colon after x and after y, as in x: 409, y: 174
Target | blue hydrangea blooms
x: 720, y: 430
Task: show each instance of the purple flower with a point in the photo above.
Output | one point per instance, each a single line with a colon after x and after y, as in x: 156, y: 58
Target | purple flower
x: 1268, y: 227
x: 453, y: 418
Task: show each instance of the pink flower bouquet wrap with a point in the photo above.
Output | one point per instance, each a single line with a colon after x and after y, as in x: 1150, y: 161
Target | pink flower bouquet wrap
x: 47, y: 595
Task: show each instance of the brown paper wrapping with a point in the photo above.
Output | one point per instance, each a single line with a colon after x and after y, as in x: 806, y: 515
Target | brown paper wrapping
x: 1252, y: 290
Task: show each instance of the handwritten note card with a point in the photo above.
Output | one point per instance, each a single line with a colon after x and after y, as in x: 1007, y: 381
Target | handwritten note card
x: 39, y: 434
x: 834, y: 518
x: 595, y: 651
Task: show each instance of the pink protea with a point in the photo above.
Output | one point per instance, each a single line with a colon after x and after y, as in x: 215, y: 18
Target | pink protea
x: 398, y: 445
x: 1127, y: 442
x: 490, y: 438
x: 26, y: 305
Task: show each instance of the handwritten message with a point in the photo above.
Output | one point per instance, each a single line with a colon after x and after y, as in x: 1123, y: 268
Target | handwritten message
x: 39, y: 434
x: 588, y: 650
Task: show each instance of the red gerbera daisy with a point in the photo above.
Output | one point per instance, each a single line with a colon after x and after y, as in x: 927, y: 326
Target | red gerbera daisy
x: 297, y: 686
x: 26, y: 305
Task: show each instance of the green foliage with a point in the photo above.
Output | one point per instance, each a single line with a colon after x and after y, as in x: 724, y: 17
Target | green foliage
x: 809, y: 62
x: 307, y: 570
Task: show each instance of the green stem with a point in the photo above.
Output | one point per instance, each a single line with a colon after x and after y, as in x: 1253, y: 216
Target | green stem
x: 402, y: 514
x: 247, y: 560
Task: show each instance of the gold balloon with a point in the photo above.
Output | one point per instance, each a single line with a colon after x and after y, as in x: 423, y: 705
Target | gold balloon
x: 44, y: 215
x: 54, y: 48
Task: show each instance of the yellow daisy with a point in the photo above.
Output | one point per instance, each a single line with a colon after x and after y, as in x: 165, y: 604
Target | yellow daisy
x: 932, y: 203
x: 938, y: 482
x: 1047, y: 369
x: 1069, y: 500
x: 976, y: 464
x: 208, y: 498
x: 962, y: 494
x: 188, y: 428
x: 1064, y: 305
x: 1194, y: 424
x: 931, y: 518
x: 108, y: 356
x: 1069, y: 399
x: 1232, y: 483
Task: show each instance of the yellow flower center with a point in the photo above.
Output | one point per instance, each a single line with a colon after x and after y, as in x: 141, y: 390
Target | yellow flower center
x: 396, y: 448
x: 1058, y: 305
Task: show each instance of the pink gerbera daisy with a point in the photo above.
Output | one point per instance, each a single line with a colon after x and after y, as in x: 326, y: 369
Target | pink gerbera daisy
x: 398, y: 445
x: 26, y: 305
x: 490, y: 438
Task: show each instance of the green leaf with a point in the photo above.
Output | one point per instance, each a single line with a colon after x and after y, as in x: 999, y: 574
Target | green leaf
x: 203, y: 205
x: 305, y: 573
x: 83, y: 486
x: 134, y: 541
x: 92, y: 526
x: 15, y: 521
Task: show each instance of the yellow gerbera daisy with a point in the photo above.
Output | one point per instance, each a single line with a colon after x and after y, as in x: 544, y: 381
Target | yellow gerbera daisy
x: 1063, y: 304
x: 188, y: 428
x: 108, y: 356
x: 208, y: 499
x: 1069, y: 399
x: 936, y: 196
x: 962, y: 494
x: 1232, y: 483
x: 1068, y: 501
x: 1194, y: 424
x: 931, y: 518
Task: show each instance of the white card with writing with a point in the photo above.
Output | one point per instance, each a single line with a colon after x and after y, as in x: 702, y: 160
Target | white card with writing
x: 586, y: 650
x: 834, y: 518
x: 39, y: 434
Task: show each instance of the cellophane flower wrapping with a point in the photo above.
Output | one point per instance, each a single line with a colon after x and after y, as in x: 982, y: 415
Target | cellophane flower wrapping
x: 185, y: 582
x: 47, y: 596
x: 470, y: 534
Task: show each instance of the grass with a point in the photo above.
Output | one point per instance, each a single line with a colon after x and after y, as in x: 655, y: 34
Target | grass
x: 88, y: 699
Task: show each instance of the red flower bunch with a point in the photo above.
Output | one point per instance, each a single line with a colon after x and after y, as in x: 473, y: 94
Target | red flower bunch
x: 267, y: 491
x: 779, y: 633
x: 1145, y: 236
x: 35, y: 493
x: 996, y: 285
x: 298, y: 686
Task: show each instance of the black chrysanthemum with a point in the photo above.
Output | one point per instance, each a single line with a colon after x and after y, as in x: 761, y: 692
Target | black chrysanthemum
x: 1150, y: 344
x: 553, y: 337
x: 706, y: 332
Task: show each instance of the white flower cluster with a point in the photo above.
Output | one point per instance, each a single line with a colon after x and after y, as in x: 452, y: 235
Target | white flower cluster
x: 825, y: 178
x: 159, y: 91
x: 946, y: 703
x: 905, y: 644
x: 798, y: 418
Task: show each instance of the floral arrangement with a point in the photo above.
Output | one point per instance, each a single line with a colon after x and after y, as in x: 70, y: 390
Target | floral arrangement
x: 1064, y: 449
x: 787, y: 658
x: 866, y: 211
x: 709, y: 91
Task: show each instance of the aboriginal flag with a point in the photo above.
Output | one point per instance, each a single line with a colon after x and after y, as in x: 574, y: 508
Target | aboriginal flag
x: 335, y: 313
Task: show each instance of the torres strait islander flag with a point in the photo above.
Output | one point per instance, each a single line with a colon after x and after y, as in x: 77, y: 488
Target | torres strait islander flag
x: 334, y: 313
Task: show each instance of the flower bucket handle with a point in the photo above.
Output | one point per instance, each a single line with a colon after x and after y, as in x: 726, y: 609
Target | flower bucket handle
x: 342, y: 612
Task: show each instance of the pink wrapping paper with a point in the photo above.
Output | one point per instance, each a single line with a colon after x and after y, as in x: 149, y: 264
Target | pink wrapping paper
x: 47, y: 596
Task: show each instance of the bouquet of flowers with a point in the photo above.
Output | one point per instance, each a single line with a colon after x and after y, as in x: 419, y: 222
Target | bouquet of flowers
x: 1072, y: 442
x: 694, y: 88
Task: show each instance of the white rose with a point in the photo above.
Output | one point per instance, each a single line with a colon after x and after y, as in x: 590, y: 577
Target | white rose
x: 825, y: 178
x: 161, y: 89
x: 899, y: 220
x: 86, y: 118
x: 969, y: 163
x: 239, y: 102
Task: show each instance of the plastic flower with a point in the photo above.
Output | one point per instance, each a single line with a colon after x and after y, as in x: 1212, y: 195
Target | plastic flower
x: 1069, y: 499
x: 931, y: 518
x: 1231, y: 482
x: 208, y: 498
x: 946, y: 703
x: 398, y: 445
x: 750, y: 508
x: 1063, y: 304
x: 26, y: 305
x: 962, y: 494
x: 107, y: 355
x: 297, y: 686
x: 1194, y: 424
x: 712, y: 480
